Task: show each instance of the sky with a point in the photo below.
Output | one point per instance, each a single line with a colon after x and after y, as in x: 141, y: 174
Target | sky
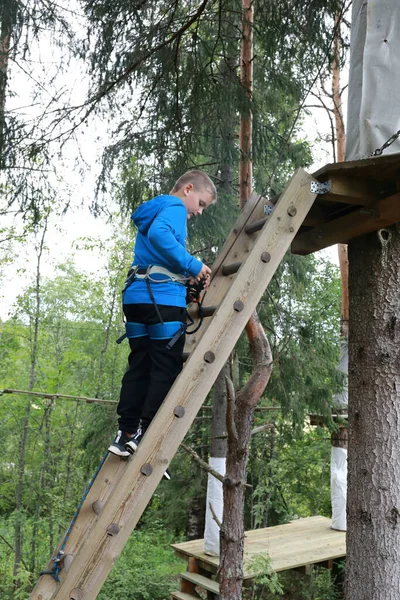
x: 78, y: 222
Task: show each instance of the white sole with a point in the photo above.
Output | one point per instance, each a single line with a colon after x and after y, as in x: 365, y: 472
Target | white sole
x: 116, y: 452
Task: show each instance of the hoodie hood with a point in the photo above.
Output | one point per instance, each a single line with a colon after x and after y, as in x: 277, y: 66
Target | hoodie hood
x: 148, y: 211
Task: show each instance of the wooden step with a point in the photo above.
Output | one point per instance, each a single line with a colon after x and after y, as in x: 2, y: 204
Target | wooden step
x: 183, y: 596
x: 204, y: 582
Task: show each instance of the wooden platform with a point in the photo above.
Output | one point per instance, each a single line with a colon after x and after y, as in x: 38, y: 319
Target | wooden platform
x: 302, y: 542
x: 364, y: 197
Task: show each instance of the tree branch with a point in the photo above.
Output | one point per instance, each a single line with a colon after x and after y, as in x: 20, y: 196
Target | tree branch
x: 230, y: 410
x: 203, y: 465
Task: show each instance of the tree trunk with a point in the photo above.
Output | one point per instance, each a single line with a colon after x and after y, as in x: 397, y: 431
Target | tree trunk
x: 337, y: 92
x: 239, y: 419
x: 240, y: 413
x: 106, y: 339
x: 373, y: 508
x: 340, y: 154
x: 18, y: 535
x: 8, y: 15
x: 246, y: 124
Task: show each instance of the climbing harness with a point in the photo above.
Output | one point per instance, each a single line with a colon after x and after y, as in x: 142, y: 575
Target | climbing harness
x: 55, y: 570
x: 388, y: 143
x: 171, y: 330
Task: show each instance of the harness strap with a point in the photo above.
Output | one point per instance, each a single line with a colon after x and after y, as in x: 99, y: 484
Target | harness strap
x: 154, y: 301
x: 158, y: 331
x: 135, y: 330
x: 166, y: 331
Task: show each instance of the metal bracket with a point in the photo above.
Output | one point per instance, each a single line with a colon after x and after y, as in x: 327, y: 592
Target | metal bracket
x: 268, y: 209
x: 316, y: 187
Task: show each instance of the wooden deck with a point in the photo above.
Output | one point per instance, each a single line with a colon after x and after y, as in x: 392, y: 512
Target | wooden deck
x: 302, y: 542
x: 364, y: 197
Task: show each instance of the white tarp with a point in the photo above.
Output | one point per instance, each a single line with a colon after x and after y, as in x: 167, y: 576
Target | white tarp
x: 373, y: 114
x: 339, y: 455
x: 216, y: 500
x: 338, y: 488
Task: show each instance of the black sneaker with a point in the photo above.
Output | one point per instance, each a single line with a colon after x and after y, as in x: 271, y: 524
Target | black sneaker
x: 131, y: 446
x: 133, y: 442
x: 118, y: 445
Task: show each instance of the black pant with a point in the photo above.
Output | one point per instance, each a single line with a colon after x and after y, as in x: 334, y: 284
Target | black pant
x: 152, y: 368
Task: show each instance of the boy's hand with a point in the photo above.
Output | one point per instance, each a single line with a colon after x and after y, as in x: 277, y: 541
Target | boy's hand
x: 203, y: 275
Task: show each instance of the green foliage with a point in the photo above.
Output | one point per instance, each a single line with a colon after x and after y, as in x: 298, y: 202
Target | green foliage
x: 318, y: 585
x: 300, y: 311
x: 290, y: 475
x: 265, y: 578
x: 146, y: 570
x: 182, y: 61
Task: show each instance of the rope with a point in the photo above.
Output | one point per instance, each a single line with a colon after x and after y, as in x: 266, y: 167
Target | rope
x: 55, y: 570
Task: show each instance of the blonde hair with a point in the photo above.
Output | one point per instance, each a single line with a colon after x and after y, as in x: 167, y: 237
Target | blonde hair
x: 199, y: 180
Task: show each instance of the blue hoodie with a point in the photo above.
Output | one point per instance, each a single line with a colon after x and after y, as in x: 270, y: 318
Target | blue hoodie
x: 161, y: 240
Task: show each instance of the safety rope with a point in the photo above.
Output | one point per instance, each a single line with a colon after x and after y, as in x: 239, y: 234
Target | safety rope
x: 388, y: 143
x: 55, y: 570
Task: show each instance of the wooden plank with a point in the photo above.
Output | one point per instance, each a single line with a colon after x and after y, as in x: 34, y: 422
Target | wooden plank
x: 296, y: 544
x: 380, y: 168
x: 204, y: 582
x: 316, y: 217
x: 186, y: 585
x: 383, y: 213
x: 349, y: 190
x: 98, y: 552
x: 184, y: 596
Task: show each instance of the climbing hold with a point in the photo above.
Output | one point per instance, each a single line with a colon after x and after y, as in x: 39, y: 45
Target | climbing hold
x: 238, y: 306
x: 265, y: 257
x: 209, y: 357
x: 179, y: 411
x: 97, y: 506
x: 67, y: 561
x: 146, y: 469
x: 112, y: 529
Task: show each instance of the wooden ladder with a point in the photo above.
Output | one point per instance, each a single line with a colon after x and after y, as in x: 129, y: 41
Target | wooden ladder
x: 122, y: 489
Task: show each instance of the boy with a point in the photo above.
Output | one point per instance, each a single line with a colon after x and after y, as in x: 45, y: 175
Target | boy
x: 154, y: 303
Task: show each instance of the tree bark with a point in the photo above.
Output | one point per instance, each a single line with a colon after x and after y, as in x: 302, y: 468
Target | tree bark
x: 246, y: 124
x: 239, y: 419
x: 337, y: 93
x: 240, y: 413
x: 340, y: 155
x: 18, y: 534
x: 8, y: 15
x: 373, y: 506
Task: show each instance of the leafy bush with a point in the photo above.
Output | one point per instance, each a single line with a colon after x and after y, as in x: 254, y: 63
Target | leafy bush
x: 146, y: 570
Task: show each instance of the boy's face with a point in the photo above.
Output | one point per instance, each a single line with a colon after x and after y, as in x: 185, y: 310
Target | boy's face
x: 195, y: 200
